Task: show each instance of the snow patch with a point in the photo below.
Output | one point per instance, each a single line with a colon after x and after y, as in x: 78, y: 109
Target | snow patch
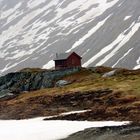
x: 138, y: 64
x: 49, y: 65
x: 36, y: 129
x: 103, y: 5
x: 127, y: 17
x: 123, y: 57
x: 33, y: 3
x: 91, y: 32
x: 124, y: 40
x: 121, y: 40
x: 5, y: 14
x: 68, y: 113
x: 9, y: 65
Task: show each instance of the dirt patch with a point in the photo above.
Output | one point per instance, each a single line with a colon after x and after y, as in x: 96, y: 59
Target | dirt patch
x: 104, y: 104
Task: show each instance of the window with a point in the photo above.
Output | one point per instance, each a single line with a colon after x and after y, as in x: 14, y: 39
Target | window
x: 60, y: 62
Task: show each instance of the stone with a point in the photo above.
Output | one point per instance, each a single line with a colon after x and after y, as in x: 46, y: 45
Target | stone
x: 62, y: 83
x: 5, y: 93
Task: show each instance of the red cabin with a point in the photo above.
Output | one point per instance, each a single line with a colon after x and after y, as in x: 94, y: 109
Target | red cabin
x: 67, y: 60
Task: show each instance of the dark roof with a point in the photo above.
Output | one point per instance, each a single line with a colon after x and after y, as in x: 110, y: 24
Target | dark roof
x: 63, y: 56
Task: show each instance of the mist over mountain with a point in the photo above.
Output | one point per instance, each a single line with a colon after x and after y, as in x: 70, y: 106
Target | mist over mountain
x: 103, y: 32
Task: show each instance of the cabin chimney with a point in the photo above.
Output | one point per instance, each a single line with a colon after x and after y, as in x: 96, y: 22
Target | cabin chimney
x: 56, y: 55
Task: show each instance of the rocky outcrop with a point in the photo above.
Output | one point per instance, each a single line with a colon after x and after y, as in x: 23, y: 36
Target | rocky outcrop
x: 14, y: 83
x: 128, y: 132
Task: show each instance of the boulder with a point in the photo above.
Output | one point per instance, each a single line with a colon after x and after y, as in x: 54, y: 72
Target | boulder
x: 61, y: 83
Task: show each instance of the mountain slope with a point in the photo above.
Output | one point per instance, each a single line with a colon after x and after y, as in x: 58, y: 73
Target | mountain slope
x: 104, y: 32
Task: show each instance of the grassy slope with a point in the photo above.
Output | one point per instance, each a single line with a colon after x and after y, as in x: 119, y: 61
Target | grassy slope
x: 38, y: 103
x: 126, y: 81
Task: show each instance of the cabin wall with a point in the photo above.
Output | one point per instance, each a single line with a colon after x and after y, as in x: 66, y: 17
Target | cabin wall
x: 74, y: 61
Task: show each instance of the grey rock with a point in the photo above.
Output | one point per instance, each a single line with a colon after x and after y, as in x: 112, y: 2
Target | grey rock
x: 5, y: 93
x: 62, y: 83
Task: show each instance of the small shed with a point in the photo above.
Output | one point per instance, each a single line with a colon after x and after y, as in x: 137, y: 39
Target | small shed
x: 67, y: 60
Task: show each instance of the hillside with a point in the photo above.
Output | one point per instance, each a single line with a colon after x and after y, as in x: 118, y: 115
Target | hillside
x: 103, y: 32
x: 115, y: 97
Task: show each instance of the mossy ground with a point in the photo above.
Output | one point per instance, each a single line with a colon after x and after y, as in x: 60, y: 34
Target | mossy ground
x: 125, y: 86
